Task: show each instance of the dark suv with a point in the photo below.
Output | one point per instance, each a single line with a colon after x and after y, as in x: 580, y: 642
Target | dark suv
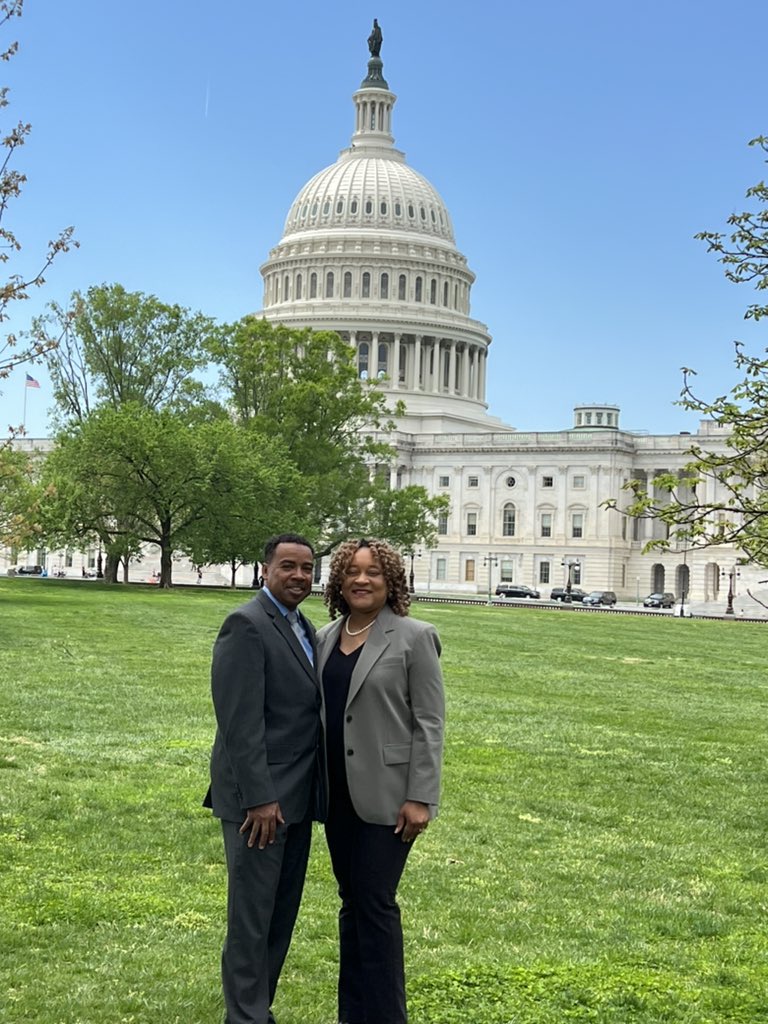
x: 558, y: 594
x: 516, y: 590
x: 659, y: 601
x: 30, y: 570
x: 606, y: 597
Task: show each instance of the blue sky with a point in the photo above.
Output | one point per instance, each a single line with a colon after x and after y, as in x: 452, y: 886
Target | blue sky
x: 578, y: 147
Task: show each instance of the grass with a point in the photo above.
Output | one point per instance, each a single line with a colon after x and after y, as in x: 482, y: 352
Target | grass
x: 600, y: 854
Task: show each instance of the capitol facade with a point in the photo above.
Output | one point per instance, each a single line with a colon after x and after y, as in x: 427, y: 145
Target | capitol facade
x: 368, y: 250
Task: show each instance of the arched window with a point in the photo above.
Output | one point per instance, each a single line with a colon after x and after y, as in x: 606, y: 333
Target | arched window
x: 298, y: 286
x: 384, y: 286
x: 313, y: 286
x: 401, y: 287
x: 418, y: 289
x: 383, y: 360
x: 286, y: 289
x: 368, y: 206
x: 445, y: 293
x: 340, y: 206
x: 329, y: 285
x: 509, y: 520
x: 433, y: 291
x: 347, y: 284
x: 362, y: 360
x: 366, y: 292
x: 455, y: 296
x: 353, y: 207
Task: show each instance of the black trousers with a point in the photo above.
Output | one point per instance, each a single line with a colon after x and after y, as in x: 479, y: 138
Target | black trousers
x: 368, y: 861
x: 263, y: 900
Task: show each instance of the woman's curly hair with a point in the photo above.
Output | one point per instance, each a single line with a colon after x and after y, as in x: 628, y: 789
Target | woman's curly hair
x: 392, y: 566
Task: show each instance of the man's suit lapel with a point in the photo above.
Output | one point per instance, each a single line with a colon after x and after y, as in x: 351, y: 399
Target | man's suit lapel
x: 283, y: 626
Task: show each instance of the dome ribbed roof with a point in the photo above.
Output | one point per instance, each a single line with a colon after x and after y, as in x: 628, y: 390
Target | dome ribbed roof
x: 378, y: 192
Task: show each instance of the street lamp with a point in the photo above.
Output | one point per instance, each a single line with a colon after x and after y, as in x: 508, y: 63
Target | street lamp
x: 490, y: 560
x: 732, y: 575
x: 570, y: 564
x: 412, y: 554
x: 99, y: 565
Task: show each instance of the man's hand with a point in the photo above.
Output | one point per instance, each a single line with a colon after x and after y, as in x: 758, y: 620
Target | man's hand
x: 262, y: 822
x: 412, y: 820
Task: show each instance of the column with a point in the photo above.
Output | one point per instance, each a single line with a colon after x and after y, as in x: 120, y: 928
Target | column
x: 465, y: 372
x: 417, y: 362
x: 373, y: 359
x: 452, y: 370
x: 437, y: 350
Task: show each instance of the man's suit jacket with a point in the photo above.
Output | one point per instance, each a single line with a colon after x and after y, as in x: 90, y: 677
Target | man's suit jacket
x: 394, y: 716
x: 267, y: 701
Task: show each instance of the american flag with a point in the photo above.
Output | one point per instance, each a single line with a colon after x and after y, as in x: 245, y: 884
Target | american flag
x: 31, y: 382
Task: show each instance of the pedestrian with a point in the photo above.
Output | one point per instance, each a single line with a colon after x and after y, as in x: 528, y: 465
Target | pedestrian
x: 384, y: 718
x: 265, y: 773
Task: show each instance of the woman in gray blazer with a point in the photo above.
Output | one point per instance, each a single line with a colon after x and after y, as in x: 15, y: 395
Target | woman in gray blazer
x: 384, y: 713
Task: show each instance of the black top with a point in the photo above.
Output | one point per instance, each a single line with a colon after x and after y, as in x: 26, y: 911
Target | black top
x: 337, y: 676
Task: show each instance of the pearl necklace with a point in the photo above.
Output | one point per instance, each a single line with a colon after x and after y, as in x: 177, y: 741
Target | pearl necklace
x: 356, y: 632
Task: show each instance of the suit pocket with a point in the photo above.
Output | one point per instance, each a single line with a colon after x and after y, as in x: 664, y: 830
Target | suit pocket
x: 280, y: 755
x: 397, y: 753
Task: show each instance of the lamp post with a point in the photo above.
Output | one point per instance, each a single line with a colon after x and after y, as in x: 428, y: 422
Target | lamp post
x: 99, y: 565
x: 412, y: 554
x: 490, y: 560
x: 732, y: 574
x: 570, y: 564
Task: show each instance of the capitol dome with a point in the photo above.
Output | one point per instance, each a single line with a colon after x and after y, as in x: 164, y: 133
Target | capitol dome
x: 368, y: 251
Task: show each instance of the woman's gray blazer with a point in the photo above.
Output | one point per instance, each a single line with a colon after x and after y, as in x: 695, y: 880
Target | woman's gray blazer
x: 394, y: 716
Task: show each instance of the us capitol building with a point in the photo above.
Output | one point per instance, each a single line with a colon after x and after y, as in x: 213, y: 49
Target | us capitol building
x: 368, y: 250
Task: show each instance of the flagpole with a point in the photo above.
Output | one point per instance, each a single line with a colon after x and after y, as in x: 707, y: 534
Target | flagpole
x: 24, y: 413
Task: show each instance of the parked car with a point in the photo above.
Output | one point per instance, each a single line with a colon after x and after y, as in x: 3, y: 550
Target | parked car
x: 558, y: 594
x: 659, y: 601
x: 30, y: 570
x: 606, y: 597
x: 516, y: 590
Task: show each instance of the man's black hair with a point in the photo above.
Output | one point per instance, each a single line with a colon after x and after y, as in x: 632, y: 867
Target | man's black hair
x: 284, y: 538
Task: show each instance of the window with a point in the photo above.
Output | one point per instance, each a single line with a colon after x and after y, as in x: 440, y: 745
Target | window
x: 68, y: 558
x: 547, y: 481
x: 383, y: 208
x: 471, y: 524
x: 433, y: 291
x: 579, y: 482
x: 510, y: 481
x: 398, y: 208
x: 509, y: 520
x: 469, y: 570
x: 506, y: 573
x: 473, y: 481
x: 362, y: 360
x: 576, y: 574
x: 401, y: 286
x: 383, y: 360
x: 443, y: 481
x: 366, y: 292
x: 368, y: 206
x: 353, y: 207
x: 577, y: 524
x: 384, y: 286
x: 418, y: 289
x: 326, y: 208
x: 442, y: 523
x: 286, y: 288
x: 313, y: 286
x: 340, y: 206
x: 347, y: 284
x: 440, y: 568
x: 544, y: 571
x: 546, y: 524
x: 445, y: 293
x: 298, y: 286
x: 329, y: 285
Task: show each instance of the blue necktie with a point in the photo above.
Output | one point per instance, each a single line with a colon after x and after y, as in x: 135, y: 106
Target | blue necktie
x: 298, y: 629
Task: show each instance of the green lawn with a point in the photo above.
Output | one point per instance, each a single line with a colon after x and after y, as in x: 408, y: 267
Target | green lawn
x: 600, y: 856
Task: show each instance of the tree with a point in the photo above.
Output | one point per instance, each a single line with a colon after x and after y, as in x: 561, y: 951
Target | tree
x: 405, y: 517
x: 303, y: 388
x: 17, y: 497
x: 19, y: 285
x: 118, y: 347
x: 722, y: 496
x: 141, y: 476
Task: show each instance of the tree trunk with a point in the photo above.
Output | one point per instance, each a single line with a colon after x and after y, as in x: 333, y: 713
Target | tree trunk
x: 126, y: 560
x: 111, y: 564
x: 166, y: 564
x: 233, y: 566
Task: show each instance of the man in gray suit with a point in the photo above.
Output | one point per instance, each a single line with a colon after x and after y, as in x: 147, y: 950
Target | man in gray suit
x: 265, y: 773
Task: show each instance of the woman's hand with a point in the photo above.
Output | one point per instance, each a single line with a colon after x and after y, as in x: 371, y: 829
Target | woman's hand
x: 412, y: 819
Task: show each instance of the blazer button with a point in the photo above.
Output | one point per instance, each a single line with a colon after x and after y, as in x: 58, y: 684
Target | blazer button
x: 350, y: 753
x: 349, y: 718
